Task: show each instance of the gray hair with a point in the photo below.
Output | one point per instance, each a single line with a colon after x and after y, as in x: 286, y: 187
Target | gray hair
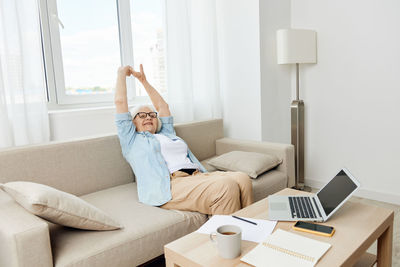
x: 135, y: 110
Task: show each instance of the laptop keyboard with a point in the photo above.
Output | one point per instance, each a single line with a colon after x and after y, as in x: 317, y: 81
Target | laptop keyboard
x: 301, y: 207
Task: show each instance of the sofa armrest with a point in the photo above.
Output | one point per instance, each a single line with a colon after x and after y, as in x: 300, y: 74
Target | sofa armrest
x: 24, y: 238
x: 282, y: 151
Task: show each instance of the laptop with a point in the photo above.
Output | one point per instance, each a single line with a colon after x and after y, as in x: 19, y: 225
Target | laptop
x: 318, y: 207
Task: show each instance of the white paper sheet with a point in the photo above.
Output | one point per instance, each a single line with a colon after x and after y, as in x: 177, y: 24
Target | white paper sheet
x: 256, y: 233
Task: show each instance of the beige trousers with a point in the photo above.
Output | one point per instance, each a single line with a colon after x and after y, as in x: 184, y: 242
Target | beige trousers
x: 210, y: 193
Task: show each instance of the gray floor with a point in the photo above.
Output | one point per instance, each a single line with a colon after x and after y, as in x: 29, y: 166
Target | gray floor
x: 396, y: 233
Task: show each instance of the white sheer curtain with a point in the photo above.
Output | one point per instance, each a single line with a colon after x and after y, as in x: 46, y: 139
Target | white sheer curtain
x: 192, y: 60
x: 23, y: 104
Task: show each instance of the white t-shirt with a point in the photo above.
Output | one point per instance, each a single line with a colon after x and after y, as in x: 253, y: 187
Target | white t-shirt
x: 175, y: 153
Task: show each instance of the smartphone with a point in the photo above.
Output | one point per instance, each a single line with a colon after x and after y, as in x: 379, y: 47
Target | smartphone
x: 314, y: 228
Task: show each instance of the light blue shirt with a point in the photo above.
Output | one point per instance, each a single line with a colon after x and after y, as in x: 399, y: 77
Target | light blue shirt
x: 142, y: 151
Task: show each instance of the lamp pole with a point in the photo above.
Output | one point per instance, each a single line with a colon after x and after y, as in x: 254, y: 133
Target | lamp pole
x: 297, y: 134
x: 297, y: 82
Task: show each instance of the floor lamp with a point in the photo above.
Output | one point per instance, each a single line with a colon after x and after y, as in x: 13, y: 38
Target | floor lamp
x: 295, y: 46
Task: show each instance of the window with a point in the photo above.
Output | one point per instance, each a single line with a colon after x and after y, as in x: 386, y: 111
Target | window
x: 85, y: 41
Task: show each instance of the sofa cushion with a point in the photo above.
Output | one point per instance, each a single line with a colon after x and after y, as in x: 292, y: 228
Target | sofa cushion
x: 251, y: 163
x: 146, y: 230
x: 268, y: 183
x: 209, y: 167
x: 59, y: 207
x: 77, y: 167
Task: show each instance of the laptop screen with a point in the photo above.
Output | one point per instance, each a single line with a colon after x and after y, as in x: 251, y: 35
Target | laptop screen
x: 336, y: 191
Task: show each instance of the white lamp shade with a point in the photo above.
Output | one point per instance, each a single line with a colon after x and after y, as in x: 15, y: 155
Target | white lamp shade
x: 296, y: 46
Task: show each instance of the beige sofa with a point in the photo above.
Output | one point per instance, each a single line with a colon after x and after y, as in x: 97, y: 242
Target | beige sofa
x: 95, y: 170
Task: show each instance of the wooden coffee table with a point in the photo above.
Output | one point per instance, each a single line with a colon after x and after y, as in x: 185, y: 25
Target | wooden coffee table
x: 357, y: 227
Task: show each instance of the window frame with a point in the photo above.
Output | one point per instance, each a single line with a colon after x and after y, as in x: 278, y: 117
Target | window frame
x: 53, y: 61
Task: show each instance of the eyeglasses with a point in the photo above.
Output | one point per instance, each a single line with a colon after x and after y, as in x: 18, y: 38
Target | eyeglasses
x: 143, y: 115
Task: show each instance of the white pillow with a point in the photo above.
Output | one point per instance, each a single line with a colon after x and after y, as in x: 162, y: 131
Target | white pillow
x: 59, y: 207
x: 251, y: 163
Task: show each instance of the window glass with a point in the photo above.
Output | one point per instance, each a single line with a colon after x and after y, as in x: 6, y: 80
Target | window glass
x: 148, y: 38
x: 90, y: 45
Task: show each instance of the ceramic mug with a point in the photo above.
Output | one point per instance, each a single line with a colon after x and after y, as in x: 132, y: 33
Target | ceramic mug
x: 228, y: 239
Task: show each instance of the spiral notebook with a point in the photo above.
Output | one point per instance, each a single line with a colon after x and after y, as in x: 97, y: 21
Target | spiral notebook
x: 283, y: 248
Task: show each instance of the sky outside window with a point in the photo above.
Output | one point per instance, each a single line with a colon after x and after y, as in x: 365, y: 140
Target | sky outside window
x: 90, y: 44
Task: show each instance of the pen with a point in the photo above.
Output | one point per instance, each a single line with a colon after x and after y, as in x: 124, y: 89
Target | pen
x: 236, y: 217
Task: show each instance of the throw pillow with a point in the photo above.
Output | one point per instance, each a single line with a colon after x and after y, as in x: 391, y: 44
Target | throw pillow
x: 251, y: 163
x: 59, y: 207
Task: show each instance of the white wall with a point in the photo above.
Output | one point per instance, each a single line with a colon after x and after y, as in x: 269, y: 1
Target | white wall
x: 275, y: 79
x: 351, y: 94
x: 65, y: 125
x: 239, y: 51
